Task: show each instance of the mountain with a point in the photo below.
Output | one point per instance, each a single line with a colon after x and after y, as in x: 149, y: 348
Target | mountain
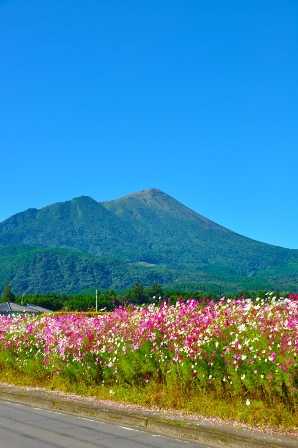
x: 145, y: 236
x: 38, y: 270
x: 171, y: 234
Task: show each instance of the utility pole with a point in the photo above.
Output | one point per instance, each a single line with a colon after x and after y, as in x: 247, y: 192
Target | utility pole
x: 96, y: 302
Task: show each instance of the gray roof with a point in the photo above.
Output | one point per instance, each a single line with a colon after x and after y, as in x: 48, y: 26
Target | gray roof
x: 38, y: 309
x: 10, y: 307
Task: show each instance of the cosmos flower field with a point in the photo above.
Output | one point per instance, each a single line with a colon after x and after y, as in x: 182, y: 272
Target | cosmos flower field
x: 231, y: 348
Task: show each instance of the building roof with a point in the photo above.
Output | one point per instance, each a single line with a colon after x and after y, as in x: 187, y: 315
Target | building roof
x: 10, y: 307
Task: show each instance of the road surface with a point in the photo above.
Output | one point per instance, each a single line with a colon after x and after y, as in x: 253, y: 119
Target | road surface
x: 27, y: 427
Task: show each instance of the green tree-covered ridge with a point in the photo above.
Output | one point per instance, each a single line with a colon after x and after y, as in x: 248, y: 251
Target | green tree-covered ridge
x: 146, y: 236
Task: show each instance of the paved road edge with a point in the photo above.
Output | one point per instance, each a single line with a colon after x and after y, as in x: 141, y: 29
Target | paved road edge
x: 169, y: 428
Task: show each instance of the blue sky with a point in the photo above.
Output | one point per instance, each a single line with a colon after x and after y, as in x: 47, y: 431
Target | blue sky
x: 197, y: 98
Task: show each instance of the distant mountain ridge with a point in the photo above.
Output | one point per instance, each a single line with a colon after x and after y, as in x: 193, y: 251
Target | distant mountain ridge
x: 146, y: 228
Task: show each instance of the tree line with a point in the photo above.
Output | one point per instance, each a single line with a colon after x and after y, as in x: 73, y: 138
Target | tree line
x: 109, y: 300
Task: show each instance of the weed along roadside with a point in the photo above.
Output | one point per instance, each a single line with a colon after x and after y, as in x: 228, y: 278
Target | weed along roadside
x: 230, y: 361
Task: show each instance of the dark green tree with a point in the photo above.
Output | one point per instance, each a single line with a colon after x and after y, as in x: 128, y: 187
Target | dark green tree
x: 137, y: 294
x: 7, y: 295
x: 156, y: 292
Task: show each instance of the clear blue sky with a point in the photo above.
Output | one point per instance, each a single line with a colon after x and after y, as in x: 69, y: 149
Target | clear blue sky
x: 197, y: 98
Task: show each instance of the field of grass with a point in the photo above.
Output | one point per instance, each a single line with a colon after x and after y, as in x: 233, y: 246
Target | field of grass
x: 234, y: 359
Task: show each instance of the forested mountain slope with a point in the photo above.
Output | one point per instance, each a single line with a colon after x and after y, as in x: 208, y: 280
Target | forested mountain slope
x: 172, y: 234
x: 146, y: 236
x: 40, y: 270
x: 148, y: 226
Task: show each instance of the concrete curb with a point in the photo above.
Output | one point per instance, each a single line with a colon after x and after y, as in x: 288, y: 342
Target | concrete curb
x: 210, y: 437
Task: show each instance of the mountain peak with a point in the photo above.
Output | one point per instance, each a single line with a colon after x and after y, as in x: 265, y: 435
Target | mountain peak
x: 83, y: 199
x: 149, y: 192
x: 144, y: 194
x: 146, y: 228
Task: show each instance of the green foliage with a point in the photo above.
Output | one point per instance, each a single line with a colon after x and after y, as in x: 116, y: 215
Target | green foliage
x: 137, y: 295
x: 7, y: 295
x: 53, y: 302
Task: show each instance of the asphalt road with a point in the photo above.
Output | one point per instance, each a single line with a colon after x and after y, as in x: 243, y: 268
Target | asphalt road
x: 26, y: 427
